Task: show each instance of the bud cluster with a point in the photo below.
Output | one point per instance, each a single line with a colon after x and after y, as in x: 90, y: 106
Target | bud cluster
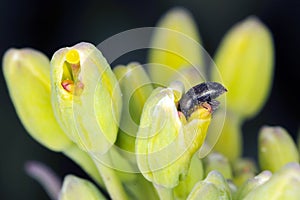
x: 158, y: 132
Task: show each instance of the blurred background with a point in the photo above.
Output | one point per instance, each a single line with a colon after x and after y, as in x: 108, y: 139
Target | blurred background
x: 50, y: 25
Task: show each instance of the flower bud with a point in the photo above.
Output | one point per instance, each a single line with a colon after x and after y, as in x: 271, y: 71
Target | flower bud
x: 175, y: 45
x: 32, y: 100
x: 80, y: 189
x: 213, y: 187
x: 284, y: 184
x: 220, y: 182
x: 86, y: 97
x: 218, y: 162
x: 245, y: 62
x: 27, y: 74
x: 276, y: 148
x: 204, y: 190
x: 253, y: 183
x: 243, y: 169
x: 165, y: 143
x: 136, y: 87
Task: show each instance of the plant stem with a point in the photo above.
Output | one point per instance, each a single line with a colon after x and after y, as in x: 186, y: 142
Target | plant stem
x: 139, y: 188
x: 164, y: 193
x: 111, y: 181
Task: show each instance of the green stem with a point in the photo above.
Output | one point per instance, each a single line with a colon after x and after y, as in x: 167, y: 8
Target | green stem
x: 111, y: 181
x: 135, y: 185
x: 139, y: 188
x: 85, y: 162
x: 164, y: 193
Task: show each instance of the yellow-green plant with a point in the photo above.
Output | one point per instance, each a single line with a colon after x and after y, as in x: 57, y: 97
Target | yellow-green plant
x: 141, y: 133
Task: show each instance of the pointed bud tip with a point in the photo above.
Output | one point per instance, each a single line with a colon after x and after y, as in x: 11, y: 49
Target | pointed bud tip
x: 268, y: 132
x: 254, y: 20
x: 78, y: 188
x: 276, y: 148
x: 252, y: 23
x: 179, y: 12
x: 14, y: 55
x: 11, y: 56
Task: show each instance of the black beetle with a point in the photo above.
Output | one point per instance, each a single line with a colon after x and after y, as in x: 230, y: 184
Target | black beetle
x: 199, y: 94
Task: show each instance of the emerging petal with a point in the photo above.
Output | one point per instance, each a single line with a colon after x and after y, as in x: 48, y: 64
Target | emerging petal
x: 86, y: 97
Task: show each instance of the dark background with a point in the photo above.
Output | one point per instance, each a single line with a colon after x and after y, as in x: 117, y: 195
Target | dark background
x: 49, y: 25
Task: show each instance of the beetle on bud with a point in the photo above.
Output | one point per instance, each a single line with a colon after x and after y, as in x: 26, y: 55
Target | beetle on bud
x: 203, y: 94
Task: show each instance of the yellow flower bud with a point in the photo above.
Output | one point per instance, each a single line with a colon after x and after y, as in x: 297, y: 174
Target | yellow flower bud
x: 252, y: 183
x: 283, y: 185
x: 220, y: 182
x: 86, y: 97
x: 214, y: 186
x: 165, y: 144
x: 243, y: 169
x: 175, y: 44
x: 203, y: 190
x: 136, y: 87
x: 80, y: 189
x: 276, y: 148
x: 27, y: 74
x: 218, y: 162
x: 245, y: 62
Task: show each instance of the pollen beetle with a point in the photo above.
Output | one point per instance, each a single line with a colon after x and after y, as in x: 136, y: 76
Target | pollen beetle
x: 198, y: 95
